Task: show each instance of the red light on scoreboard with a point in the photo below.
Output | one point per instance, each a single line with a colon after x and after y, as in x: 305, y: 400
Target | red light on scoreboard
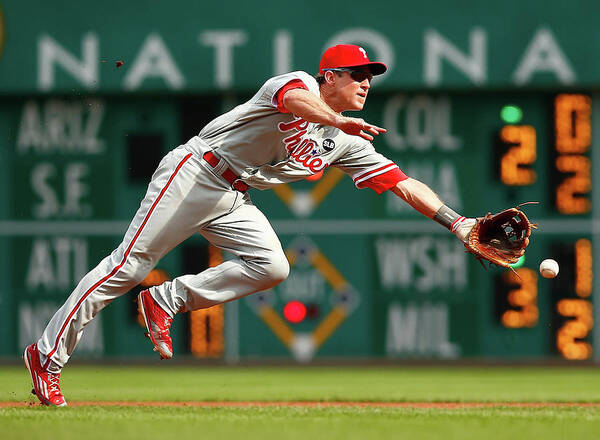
x: 515, y: 162
x: 294, y: 312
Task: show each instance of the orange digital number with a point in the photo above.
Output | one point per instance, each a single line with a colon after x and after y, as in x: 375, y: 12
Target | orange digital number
x: 524, y: 299
x: 568, y: 337
x: 207, y: 326
x: 584, y: 275
x: 573, y: 123
x: 514, y: 163
x: 207, y: 330
x: 580, y: 183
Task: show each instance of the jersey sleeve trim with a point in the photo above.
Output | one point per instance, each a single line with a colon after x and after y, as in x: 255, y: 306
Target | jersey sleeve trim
x: 293, y: 84
x: 380, y: 178
x: 373, y: 171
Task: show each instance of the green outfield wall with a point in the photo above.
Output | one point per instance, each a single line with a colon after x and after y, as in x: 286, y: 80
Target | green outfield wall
x: 202, y: 46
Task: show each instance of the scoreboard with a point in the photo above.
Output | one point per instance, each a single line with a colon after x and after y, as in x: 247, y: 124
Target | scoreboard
x: 571, y: 185
x: 481, y: 152
x: 370, y: 276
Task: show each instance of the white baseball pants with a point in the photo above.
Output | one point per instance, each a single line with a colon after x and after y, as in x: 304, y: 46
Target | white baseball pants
x: 183, y: 197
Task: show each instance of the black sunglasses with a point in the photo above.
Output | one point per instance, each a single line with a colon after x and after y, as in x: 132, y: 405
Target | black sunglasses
x: 356, y: 75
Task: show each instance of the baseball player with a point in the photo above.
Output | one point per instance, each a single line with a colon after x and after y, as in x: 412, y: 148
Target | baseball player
x: 292, y: 128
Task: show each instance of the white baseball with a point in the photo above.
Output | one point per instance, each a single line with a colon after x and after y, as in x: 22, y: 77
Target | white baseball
x: 549, y: 268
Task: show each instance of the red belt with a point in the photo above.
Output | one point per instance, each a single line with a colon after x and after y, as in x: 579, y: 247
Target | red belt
x: 228, y: 174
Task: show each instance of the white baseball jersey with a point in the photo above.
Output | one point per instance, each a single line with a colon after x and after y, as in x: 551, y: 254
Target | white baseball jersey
x: 266, y: 147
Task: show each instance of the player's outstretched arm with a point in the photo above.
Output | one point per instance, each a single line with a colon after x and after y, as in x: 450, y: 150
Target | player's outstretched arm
x: 423, y: 199
x: 311, y: 108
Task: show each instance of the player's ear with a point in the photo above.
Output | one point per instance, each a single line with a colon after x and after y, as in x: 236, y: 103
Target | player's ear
x: 330, y: 77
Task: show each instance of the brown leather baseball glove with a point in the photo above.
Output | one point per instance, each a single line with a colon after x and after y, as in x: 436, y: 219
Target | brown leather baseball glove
x: 500, y: 238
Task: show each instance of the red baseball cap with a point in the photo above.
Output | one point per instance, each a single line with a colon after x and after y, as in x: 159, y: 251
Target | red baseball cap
x: 349, y: 55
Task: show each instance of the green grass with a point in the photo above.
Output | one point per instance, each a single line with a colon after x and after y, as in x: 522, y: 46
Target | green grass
x: 432, y: 384
x: 299, y: 423
x: 453, y: 384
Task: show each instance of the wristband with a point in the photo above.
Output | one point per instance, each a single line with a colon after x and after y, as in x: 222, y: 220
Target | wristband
x: 449, y: 219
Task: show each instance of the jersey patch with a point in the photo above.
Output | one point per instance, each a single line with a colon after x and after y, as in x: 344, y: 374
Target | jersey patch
x: 328, y: 145
x: 301, y: 149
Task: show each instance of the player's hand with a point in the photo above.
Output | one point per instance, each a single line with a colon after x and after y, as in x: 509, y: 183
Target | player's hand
x: 463, y: 229
x: 359, y: 127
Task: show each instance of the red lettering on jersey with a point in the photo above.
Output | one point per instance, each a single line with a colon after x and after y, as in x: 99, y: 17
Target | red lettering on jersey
x: 291, y: 142
x: 303, y: 155
x: 302, y: 152
x: 316, y: 165
x: 298, y: 124
x: 299, y: 148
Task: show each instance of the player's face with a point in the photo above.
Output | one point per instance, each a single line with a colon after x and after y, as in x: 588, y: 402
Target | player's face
x: 352, y: 88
